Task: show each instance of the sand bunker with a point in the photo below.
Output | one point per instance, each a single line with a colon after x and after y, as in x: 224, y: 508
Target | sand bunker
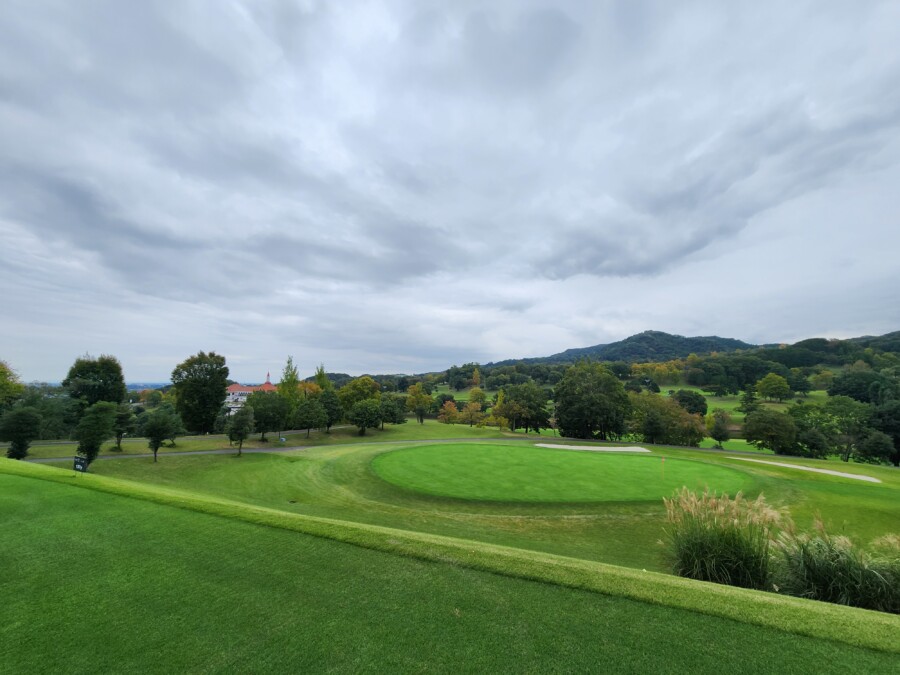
x: 855, y: 476
x: 590, y: 448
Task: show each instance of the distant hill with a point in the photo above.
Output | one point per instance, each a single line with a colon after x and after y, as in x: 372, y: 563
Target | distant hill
x: 651, y: 345
x: 889, y: 342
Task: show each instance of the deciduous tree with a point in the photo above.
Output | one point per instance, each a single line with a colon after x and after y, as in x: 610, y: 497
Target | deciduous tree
x: 774, y: 388
x: 270, y: 411
x: 240, y: 425
x: 365, y: 414
x: 769, y: 429
x: 96, y: 426
x: 160, y: 424
x: 289, y: 386
x: 20, y: 426
x: 449, y: 413
x: 92, y: 380
x: 692, y: 401
x: 361, y: 389
x: 471, y: 414
x: 333, y: 408
x: 393, y: 409
x: 717, y: 423
x: 418, y: 401
x: 311, y: 414
x: 11, y: 387
x: 591, y: 402
x: 126, y: 423
x: 199, y: 383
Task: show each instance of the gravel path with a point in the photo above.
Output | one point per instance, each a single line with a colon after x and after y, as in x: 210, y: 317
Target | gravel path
x: 591, y: 448
x: 830, y: 472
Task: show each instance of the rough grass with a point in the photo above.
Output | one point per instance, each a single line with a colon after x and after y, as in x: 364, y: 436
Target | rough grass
x: 726, y: 541
x: 530, y: 474
x: 220, y: 594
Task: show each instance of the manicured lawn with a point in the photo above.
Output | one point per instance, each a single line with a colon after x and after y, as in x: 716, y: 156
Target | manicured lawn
x: 97, y: 582
x: 530, y: 474
x: 338, y: 481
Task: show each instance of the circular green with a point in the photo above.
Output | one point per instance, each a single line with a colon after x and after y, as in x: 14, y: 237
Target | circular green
x: 529, y: 474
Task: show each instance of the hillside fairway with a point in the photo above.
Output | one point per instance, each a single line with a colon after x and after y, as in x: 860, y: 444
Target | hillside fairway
x: 96, y: 582
x: 532, y: 474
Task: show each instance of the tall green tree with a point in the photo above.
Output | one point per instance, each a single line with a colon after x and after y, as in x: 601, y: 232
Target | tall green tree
x: 418, y: 401
x: 851, y: 419
x: 97, y: 425
x: 886, y: 418
x: 160, y: 424
x: 875, y: 448
x: 271, y: 411
x: 393, y: 409
x: 365, y: 414
x: 333, y: 409
x: 199, y: 383
x: 717, y: 423
x: 360, y: 389
x: 749, y: 402
x: 770, y: 429
x: 591, y: 402
x: 11, y: 388
x: 311, y: 414
x: 240, y: 425
x: 532, y: 400
x: 289, y: 386
x: 321, y: 378
x: 659, y: 419
x: 93, y: 380
x: 774, y: 388
x: 20, y: 426
x: 692, y: 401
x: 126, y: 423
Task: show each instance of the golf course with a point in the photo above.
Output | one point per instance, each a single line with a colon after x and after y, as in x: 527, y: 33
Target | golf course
x: 404, y: 550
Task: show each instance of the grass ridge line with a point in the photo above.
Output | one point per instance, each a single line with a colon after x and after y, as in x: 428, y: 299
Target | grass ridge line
x: 858, y: 627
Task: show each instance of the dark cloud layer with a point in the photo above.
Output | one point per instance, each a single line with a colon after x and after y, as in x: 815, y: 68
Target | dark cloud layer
x: 401, y: 186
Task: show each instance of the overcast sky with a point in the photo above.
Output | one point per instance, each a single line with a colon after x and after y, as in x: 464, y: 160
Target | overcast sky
x: 398, y: 187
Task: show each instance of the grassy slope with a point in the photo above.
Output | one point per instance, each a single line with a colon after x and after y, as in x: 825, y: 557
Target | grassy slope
x: 226, y: 594
x: 337, y: 482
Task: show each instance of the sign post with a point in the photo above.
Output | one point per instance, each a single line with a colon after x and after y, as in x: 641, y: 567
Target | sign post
x: 81, y: 464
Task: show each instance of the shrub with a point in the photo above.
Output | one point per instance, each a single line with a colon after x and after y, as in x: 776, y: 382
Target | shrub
x: 829, y: 568
x: 715, y: 538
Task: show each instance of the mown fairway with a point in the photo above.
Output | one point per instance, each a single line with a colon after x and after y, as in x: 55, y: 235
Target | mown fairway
x: 340, y: 481
x: 96, y: 582
x: 532, y: 474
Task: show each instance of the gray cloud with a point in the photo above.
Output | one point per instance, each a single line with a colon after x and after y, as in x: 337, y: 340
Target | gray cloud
x: 401, y: 186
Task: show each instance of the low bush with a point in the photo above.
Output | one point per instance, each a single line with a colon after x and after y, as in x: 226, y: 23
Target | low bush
x: 716, y: 538
x: 829, y: 568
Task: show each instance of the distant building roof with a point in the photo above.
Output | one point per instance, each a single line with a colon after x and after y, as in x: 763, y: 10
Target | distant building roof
x: 265, y: 386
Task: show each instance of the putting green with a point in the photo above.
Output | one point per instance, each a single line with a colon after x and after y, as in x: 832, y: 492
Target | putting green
x: 528, y: 474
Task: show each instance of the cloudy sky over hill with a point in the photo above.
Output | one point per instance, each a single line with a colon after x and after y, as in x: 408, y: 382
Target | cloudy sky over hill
x: 399, y: 187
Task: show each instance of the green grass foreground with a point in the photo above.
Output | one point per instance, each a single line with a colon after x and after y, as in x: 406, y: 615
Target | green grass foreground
x: 530, y: 474
x: 337, y: 481
x: 104, y: 583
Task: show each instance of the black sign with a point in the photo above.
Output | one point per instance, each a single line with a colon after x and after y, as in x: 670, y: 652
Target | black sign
x: 81, y: 464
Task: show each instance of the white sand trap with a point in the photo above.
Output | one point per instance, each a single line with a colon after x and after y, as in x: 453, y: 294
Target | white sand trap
x: 591, y: 448
x: 869, y: 479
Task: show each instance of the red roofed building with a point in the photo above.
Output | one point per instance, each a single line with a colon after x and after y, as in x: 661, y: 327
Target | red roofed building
x: 236, y: 394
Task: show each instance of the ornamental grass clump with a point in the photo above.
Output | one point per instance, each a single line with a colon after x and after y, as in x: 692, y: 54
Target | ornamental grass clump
x: 829, y: 568
x: 716, y: 538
